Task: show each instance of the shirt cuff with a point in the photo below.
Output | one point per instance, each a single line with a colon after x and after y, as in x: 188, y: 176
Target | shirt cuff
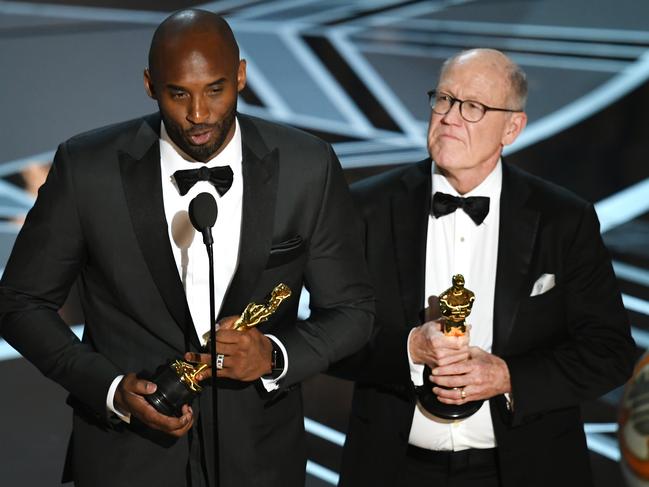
x: 110, y: 401
x: 273, y: 384
x: 416, y: 370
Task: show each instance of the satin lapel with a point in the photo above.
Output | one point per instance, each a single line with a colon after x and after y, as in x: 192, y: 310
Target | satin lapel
x: 260, y: 168
x: 140, y: 171
x: 410, y: 210
x: 518, y: 231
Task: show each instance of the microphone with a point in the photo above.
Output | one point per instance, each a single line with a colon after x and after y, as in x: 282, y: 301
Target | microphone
x: 202, y: 214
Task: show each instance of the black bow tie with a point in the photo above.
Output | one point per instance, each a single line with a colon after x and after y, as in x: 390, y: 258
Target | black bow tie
x: 220, y: 177
x: 477, y: 207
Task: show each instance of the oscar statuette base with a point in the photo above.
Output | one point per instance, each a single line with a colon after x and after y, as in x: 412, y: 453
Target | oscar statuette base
x: 430, y: 403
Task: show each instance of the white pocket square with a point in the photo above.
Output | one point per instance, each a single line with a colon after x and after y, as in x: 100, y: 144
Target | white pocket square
x: 543, y: 284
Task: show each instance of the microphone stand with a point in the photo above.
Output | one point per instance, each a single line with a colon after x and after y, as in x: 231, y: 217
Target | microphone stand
x: 202, y: 213
x: 207, y: 238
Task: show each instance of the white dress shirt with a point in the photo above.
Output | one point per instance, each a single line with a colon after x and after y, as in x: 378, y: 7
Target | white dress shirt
x: 456, y: 245
x: 187, y: 244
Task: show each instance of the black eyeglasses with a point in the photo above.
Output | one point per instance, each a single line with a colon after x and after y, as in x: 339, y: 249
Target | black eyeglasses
x: 470, y: 110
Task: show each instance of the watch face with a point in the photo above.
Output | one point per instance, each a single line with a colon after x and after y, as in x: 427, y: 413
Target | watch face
x: 277, y: 359
x: 273, y: 359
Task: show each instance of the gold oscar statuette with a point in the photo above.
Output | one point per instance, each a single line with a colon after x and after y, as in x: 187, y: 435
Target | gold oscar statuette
x: 454, y: 307
x: 254, y: 314
x: 177, y: 383
x: 187, y: 372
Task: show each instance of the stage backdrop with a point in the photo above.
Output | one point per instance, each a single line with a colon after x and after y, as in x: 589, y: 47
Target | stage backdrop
x: 355, y: 73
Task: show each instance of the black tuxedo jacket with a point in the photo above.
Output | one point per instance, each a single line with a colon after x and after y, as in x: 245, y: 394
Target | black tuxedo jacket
x: 562, y: 347
x: 99, y: 218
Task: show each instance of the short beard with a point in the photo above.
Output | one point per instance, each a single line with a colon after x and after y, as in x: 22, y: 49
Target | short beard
x: 201, y: 153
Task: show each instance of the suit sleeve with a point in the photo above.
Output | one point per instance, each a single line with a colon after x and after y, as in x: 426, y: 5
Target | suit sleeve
x: 595, y: 352
x: 384, y: 359
x: 48, y: 256
x: 342, y: 302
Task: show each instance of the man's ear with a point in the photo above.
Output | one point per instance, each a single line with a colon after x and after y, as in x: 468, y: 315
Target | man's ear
x: 515, y: 125
x: 241, y: 75
x: 148, y: 84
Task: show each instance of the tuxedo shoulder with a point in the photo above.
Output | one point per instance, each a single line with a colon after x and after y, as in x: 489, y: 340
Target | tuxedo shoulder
x: 111, y: 136
x: 96, y: 153
x: 546, y: 195
x: 385, y: 184
x: 284, y: 137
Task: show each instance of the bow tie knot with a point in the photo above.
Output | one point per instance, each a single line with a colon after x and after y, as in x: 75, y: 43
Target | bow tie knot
x: 477, y: 207
x: 220, y: 177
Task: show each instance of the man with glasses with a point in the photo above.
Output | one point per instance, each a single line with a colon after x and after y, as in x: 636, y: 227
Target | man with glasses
x: 548, y: 328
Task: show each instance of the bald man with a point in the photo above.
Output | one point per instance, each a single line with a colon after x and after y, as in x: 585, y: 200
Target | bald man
x: 548, y: 329
x: 113, y: 217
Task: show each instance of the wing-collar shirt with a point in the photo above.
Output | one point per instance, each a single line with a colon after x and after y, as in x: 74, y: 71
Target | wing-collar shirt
x: 456, y: 245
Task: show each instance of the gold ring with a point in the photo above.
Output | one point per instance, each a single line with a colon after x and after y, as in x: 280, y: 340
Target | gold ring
x: 462, y: 393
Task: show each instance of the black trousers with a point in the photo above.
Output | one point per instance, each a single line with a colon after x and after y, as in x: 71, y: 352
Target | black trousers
x: 467, y: 468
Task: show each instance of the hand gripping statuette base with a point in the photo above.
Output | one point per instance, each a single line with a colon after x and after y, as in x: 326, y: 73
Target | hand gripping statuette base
x: 176, y: 381
x: 454, y: 306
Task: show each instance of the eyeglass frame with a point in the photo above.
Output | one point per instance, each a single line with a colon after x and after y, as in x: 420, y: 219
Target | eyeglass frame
x: 487, y: 108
